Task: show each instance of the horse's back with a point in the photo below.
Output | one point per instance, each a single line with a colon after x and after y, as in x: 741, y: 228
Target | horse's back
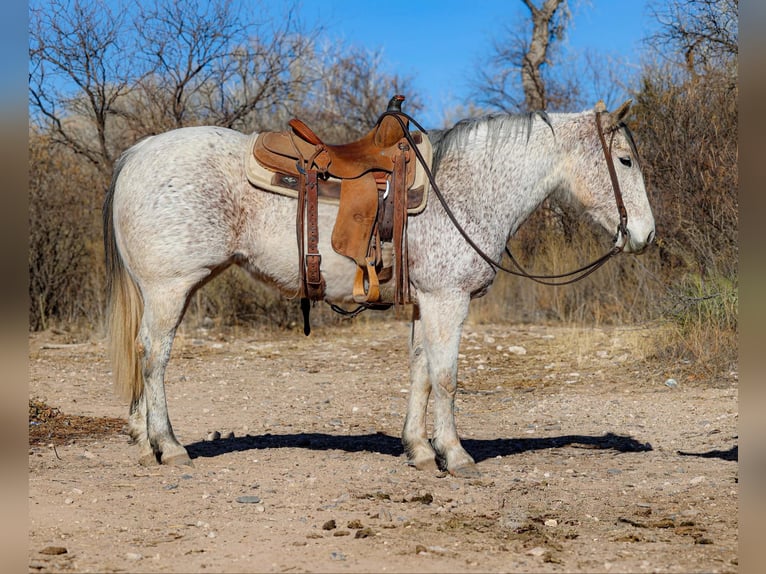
x: 176, y: 200
x: 191, y: 152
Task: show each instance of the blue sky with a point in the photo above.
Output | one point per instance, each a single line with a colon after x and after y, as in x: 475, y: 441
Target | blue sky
x: 439, y: 42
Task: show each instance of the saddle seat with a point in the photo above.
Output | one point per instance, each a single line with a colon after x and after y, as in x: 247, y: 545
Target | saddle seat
x: 373, y: 152
x: 284, y: 151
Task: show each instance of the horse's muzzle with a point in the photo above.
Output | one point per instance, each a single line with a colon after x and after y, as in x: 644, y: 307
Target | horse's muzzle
x: 631, y: 245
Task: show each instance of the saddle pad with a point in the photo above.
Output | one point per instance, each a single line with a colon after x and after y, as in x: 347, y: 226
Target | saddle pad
x: 329, y: 190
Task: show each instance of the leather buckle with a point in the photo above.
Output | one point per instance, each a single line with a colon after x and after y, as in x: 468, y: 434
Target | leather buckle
x: 313, y: 264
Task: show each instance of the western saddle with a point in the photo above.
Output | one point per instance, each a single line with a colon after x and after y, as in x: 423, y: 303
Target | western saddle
x: 376, y: 181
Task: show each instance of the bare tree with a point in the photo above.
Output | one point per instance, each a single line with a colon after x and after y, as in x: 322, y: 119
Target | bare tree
x: 183, y: 44
x: 687, y: 117
x: 354, y: 91
x: 208, y: 66
x: 704, y: 32
x: 606, y: 79
x: 516, y: 80
x: 77, y: 71
x: 100, y: 79
x: 65, y: 275
x: 268, y: 76
x: 545, y: 29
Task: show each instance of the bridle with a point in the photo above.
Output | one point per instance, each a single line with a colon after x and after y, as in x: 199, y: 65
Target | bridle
x: 622, y: 228
x: 571, y: 276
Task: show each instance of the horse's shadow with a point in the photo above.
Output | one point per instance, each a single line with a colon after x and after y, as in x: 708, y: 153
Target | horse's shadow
x: 480, y: 449
x: 731, y: 455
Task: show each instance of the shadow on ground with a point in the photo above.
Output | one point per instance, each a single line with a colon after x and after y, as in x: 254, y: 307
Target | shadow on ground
x: 392, y: 446
x: 731, y: 454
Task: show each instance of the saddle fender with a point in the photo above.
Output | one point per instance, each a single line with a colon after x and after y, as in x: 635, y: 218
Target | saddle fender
x: 357, y: 210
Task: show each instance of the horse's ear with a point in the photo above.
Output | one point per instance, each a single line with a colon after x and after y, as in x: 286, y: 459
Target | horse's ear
x: 619, y: 114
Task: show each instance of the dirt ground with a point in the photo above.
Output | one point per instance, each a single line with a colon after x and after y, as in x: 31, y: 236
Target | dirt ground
x: 592, y: 458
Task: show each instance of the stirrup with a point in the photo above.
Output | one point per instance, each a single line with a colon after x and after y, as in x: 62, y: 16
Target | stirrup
x: 373, y: 291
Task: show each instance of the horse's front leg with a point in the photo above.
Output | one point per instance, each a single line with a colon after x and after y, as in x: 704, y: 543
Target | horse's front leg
x: 442, y: 316
x: 420, y: 454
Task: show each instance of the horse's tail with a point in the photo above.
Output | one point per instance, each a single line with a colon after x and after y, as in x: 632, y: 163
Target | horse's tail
x: 124, y: 306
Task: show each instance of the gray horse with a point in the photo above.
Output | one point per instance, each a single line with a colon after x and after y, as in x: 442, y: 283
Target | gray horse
x: 180, y: 210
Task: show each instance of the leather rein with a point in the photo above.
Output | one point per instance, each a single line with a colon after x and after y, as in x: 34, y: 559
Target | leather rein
x: 571, y: 276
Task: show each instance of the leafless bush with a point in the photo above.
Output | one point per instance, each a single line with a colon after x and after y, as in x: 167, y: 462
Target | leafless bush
x: 688, y: 137
x: 701, y: 35
x: 687, y: 125
x: 65, y: 270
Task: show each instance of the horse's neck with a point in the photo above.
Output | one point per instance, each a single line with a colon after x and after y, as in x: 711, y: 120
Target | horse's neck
x: 505, y: 184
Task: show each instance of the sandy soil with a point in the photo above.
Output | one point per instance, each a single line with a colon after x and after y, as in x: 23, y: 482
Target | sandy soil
x: 591, y: 460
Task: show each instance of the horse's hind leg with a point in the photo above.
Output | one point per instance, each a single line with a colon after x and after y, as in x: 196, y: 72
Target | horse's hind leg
x: 442, y: 317
x: 149, y: 420
x: 414, y: 436
x: 138, y: 431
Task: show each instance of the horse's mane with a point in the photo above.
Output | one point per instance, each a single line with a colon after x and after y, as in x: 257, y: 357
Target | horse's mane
x: 500, y: 126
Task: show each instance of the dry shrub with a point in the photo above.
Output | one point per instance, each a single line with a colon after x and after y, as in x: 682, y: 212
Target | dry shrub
x: 236, y: 299
x: 233, y: 298
x: 688, y: 134
x: 65, y: 247
x: 703, y: 320
x: 48, y: 424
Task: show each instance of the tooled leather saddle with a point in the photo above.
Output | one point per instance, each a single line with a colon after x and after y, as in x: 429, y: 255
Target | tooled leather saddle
x: 376, y: 182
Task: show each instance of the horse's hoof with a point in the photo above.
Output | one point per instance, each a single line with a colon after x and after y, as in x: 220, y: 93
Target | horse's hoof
x: 427, y: 464
x: 178, y: 460
x: 149, y: 459
x: 469, y: 470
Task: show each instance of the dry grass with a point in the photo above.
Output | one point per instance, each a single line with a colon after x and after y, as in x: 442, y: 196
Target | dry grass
x: 623, y: 291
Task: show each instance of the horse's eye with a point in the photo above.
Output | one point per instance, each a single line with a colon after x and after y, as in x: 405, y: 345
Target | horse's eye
x: 626, y: 161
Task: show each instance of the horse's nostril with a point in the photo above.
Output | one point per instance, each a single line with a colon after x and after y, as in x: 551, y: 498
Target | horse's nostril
x: 650, y: 238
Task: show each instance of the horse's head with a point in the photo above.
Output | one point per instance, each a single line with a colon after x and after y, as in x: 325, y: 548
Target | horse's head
x: 597, y: 191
